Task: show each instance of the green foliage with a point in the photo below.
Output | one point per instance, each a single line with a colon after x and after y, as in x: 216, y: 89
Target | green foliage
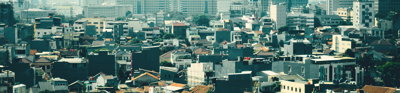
x: 387, y: 16
x: 120, y: 19
x: 101, y: 49
x: 168, y: 36
x: 121, y: 74
x: 284, y: 28
x: 166, y: 49
x: 167, y: 64
x: 128, y: 14
x: 349, y: 53
x: 135, y: 41
x: 176, y: 16
x: 202, y: 20
x: 389, y: 73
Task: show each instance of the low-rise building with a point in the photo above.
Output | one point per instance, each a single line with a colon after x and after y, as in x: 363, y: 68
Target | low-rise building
x: 199, y: 73
x: 324, y: 67
x: 54, y: 85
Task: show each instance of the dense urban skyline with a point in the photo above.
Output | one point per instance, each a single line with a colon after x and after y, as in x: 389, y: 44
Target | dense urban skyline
x: 199, y: 46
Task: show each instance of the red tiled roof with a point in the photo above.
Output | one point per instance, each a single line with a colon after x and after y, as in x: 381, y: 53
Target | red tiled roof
x: 178, y: 85
x: 179, y: 24
x: 378, y: 89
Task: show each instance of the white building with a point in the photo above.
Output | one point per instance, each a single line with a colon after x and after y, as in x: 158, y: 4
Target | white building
x: 278, y: 15
x: 333, y: 5
x: 21, y: 88
x: 223, y: 6
x: 296, y: 87
x: 196, y: 73
x: 339, y: 44
x: 345, y: 13
x: 107, y: 10
x: 364, y: 13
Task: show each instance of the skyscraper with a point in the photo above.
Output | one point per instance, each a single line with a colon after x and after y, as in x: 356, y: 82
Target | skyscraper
x: 333, y: 5
x: 153, y: 6
x: 196, y: 6
x: 223, y: 6
x: 296, y: 3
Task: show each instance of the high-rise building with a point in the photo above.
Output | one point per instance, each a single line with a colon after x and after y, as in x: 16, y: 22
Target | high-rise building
x: 278, y: 14
x: 296, y: 3
x: 184, y: 6
x: 385, y: 6
x: 264, y: 6
x: 223, y: 6
x: 199, y: 6
x: 132, y: 3
x: 107, y: 10
x: 92, y: 2
x: 195, y: 6
x: 363, y: 13
x: 152, y: 6
x: 333, y: 5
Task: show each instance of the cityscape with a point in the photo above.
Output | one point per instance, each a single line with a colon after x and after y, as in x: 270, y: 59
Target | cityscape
x: 199, y: 46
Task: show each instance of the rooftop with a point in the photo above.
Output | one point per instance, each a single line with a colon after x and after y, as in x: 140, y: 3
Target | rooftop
x: 72, y: 60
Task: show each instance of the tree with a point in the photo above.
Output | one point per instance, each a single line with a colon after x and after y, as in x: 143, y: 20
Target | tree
x: 202, y: 20
x: 121, y: 75
x: 120, y: 18
x: 128, y: 14
x: 135, y: 41
x: 284, y: 28
x: 389, y: 73
x: 349, y: 53
x: 367, y: 62
x: 167, y: 64
x: 168, y: 36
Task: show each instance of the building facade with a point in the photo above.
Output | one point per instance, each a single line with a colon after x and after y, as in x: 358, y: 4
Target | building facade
x: 363, y: 13
x: 333, y: 5
x: 197, y: 73
x: 106, y: 10
x: 278, y: 15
